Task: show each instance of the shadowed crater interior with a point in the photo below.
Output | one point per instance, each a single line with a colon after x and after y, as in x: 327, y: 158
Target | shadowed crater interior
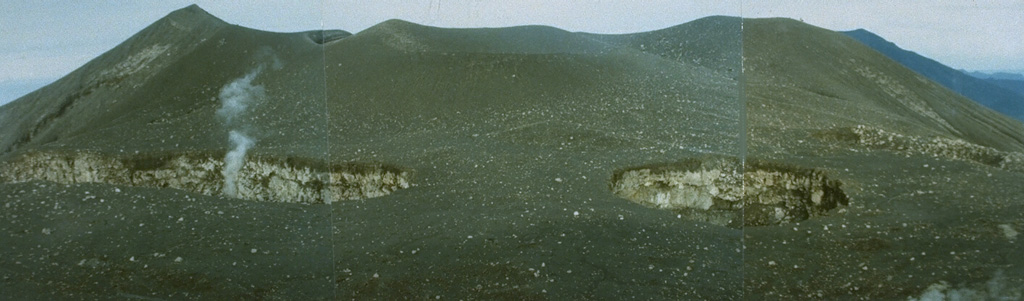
x: 718, y: 191
x: 325, y: 36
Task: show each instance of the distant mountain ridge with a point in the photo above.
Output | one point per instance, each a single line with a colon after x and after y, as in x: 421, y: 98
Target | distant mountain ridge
x: 1010, y: 81
x: 989, y: 94
x: 994, y: 75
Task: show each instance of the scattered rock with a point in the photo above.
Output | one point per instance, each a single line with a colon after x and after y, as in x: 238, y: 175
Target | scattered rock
x: 956, y: 149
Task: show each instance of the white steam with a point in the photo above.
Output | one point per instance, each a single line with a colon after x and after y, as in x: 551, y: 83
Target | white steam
x: 233, y: 161
x: 236, y: 98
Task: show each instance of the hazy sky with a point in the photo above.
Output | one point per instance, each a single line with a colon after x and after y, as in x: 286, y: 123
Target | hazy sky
x: 45, y: 39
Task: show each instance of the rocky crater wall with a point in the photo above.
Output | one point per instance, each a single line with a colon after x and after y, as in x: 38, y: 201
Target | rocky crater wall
x: 718, y: 191
x: 293, y: 180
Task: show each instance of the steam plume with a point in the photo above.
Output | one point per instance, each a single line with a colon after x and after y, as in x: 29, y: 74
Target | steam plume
x: 234, y: 159
x: 236, y: 97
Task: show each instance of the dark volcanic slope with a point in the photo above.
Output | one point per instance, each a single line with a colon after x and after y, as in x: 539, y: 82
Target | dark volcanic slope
x: 79, y: 99
x: 202, y: 160
x: 984, y: 92
x: 158, y: 91
x: 922, y: 208
x: 508, y: 144
x: 804, y: 77
x: 508, y: 135
x: 616, y: 92
x: 408, y: 36
x: 710, y: 42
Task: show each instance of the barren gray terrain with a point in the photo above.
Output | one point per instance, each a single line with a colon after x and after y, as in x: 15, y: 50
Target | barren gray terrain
x: 722, y: 159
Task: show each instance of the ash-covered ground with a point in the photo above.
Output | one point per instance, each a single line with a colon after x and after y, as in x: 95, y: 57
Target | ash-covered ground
x: 719, y: 159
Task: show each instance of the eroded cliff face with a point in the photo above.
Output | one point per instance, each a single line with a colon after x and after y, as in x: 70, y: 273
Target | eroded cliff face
x: 718, y: 192
x: 259, y: 179
x: 704, y: 187
x: 775, y: 195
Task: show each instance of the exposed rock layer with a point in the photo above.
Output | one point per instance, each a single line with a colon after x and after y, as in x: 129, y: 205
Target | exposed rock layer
x: 260, y: 179
x: 717, y: 191
x: 949, y: 148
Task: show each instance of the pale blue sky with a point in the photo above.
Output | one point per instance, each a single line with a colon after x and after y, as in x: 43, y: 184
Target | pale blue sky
x: 45, y: 39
